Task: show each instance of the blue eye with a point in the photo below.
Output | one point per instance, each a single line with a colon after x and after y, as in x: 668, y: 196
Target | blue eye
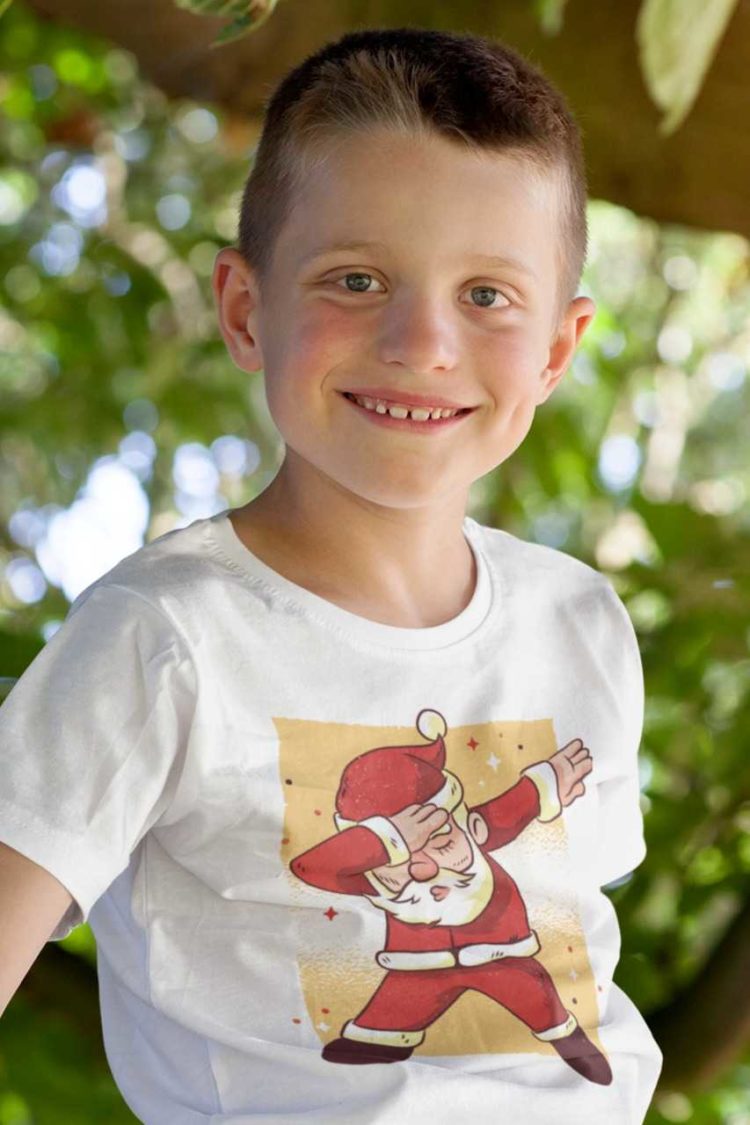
x: 489, y: 289
x: 359, y: 288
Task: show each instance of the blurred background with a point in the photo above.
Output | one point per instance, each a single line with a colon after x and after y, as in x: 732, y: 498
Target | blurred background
x: 126, y: 134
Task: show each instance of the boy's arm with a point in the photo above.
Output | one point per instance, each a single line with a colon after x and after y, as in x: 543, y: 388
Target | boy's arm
x: 32, y: 902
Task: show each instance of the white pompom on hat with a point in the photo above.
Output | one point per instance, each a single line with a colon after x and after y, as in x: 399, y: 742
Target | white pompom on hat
x: 431, y: 724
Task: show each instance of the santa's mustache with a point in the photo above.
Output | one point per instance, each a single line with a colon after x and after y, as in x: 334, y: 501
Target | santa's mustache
x: 415, y: 889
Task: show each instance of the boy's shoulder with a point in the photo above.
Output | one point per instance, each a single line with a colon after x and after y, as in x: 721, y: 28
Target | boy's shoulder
x: 164, y: 572
x: 538, y: 565
x: 546, y: 580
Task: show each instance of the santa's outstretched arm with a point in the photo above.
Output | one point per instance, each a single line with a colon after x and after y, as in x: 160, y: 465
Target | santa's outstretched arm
x: 339, y: 863
x: 533, y: 797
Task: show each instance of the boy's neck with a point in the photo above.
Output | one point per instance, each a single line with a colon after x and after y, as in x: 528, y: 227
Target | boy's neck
x: 401, y: 571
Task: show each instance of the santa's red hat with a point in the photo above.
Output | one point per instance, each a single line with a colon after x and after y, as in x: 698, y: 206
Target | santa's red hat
x: 385, y: 780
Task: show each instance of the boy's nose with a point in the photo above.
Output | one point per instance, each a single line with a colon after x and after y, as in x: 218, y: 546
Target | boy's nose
x: 422, y: 867
x: 420, y: 338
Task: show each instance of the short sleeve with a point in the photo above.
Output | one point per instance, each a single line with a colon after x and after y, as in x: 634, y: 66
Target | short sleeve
x: 93, y: 738
x: 621, y: 828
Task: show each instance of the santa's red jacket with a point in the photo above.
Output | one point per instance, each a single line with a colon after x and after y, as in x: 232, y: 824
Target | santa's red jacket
x: 338, y: 864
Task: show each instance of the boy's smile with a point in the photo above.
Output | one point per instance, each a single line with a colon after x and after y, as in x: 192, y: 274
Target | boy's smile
x: 394, y: 414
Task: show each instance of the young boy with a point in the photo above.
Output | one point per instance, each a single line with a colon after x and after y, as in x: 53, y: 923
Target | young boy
x: 337, y: 777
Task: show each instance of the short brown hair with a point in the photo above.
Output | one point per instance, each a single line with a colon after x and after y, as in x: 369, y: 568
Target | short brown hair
x: 469, y: 88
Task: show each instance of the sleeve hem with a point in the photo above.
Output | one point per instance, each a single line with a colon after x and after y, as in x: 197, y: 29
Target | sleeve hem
x: 71, y: 859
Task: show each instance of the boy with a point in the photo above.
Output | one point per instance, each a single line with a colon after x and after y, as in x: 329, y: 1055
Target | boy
x: 337, y: 777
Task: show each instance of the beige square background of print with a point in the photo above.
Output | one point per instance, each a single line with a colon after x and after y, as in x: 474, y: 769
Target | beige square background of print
x: 337, y: 967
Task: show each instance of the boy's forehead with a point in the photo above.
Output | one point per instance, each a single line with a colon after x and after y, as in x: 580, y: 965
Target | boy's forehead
x: 390, y: 193
x: 386, y: 163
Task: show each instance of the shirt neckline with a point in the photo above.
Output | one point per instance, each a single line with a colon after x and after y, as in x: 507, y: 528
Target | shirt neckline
x: 226, y: 540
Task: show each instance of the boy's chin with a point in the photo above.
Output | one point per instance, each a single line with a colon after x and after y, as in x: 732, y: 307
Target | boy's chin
x: 402, y: 497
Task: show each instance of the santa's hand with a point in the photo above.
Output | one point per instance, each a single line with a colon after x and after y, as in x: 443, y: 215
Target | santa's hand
x: 416, y: 823
x: 571, y: 764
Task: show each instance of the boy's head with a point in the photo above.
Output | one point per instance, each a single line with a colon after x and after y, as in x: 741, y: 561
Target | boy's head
x: 475, y: 92
x: 435, y: 149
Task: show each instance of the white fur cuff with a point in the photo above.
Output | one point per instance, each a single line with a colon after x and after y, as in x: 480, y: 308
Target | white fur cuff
x: 559, y: 1032
x: 545, y: 779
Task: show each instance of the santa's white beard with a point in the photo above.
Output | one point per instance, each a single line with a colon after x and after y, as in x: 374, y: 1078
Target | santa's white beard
x: 469, y: 892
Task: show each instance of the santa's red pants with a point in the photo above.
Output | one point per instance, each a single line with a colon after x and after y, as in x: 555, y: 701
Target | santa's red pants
x: 412, y: 1000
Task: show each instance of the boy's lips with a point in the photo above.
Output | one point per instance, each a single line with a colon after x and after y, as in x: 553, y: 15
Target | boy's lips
x: 404, y: 398
x: 429, y: 426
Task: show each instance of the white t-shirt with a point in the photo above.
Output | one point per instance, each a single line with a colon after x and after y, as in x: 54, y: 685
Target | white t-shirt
x: 208, y: 756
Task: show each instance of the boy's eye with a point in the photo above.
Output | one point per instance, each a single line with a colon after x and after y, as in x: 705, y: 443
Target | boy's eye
x: 361, y: 281
x: 488, y: 292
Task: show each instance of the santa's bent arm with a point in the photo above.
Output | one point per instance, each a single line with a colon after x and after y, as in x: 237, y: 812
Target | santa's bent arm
x: 339, y: 863
x: 534, y: 797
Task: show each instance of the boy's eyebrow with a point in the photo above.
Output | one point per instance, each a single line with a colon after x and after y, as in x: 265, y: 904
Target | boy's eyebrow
x: 489, y: 259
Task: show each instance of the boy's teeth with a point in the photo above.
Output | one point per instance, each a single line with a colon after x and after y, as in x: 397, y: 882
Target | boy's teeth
x: 418, y: 413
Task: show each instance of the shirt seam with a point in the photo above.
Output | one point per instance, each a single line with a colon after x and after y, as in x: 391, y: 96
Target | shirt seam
x: 180, y: 635
x: 352, y: 638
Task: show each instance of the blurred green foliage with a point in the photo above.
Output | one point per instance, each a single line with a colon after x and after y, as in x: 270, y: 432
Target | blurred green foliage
x: 637, y: 464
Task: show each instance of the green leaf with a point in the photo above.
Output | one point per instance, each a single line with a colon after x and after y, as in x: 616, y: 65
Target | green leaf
x: 18, y: 650
x: 550, y: 15
x: 677, y: 40
x: 248, y: 15
x: 216, y: 7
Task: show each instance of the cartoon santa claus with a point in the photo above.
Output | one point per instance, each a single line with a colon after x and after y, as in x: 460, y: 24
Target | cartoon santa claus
x: 455, y: 919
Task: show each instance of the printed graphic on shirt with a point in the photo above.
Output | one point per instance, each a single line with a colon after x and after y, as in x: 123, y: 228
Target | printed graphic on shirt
x: 420, y: 851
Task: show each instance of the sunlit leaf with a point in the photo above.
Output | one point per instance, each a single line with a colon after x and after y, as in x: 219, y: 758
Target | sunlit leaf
x: 248, y: 15
x: 677, y: 41
x: 550, y: 15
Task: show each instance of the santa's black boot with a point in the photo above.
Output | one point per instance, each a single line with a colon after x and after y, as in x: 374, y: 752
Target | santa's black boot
x: 580, y: 1053
x: 355, y: 1052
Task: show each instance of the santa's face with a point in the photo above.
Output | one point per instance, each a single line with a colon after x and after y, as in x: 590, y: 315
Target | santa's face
x: 447, y: 882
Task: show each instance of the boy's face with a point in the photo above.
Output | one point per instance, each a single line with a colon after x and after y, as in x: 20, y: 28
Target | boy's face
x: 429, y: 317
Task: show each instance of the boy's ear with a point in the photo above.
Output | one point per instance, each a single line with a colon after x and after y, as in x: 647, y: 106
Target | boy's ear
x: 236, y: 296
x: 579, y: 314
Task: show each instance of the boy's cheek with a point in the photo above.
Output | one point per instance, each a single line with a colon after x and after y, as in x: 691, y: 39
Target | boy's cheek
x: 321, y: 338
x: 517, y: 360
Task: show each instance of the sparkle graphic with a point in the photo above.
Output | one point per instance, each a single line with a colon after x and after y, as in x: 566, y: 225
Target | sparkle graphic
x: 493, y: 762
x: 323, y: 1027
x: 330, y: 913
x: 472, y: 743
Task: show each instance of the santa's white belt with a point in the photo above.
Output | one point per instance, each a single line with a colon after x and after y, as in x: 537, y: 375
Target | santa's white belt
x: 465, y: 955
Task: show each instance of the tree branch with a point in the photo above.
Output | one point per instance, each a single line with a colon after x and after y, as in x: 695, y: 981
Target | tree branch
x: 704, y: 1029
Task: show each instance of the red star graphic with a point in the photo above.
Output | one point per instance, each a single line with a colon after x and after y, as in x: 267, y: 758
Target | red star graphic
x: 472, y: 743
x: 330, y: 913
